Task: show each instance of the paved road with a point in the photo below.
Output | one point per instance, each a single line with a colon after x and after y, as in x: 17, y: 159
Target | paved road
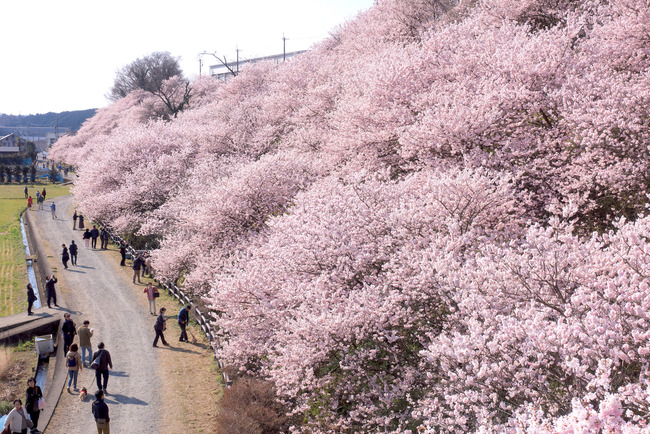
x: 99, y: 290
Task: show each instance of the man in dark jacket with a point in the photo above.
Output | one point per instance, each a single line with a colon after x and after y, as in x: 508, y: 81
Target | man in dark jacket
x: 100, y: 412
x: 74, y: 250
x: 137, y: 266
x: 103, y: 358
x: 69, y: 329
x: 31, y: 298
x: 50, y: 291
x: 183, y: 320
x: 103, y: 237
x: 123, y: 247
x: 159, y: 327
x: 94, y: 234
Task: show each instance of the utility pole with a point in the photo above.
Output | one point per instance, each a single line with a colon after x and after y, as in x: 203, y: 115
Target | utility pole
x: 237, y: 50
x: 284, y: 48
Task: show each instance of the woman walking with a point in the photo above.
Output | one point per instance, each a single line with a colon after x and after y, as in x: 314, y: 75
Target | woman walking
x: 17, y: 418
x: 73, y: 362
x: 160, y: 327
x: 81, y: 221
x: 65, y: 256
x: 34, y: 393
x: 86, y: 237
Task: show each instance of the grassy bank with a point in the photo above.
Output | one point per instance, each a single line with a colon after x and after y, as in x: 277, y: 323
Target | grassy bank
x: 13, y: 273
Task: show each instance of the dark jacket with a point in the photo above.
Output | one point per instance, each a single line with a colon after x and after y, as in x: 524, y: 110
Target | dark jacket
x: 68, y: 328
x: 31, y: 296
x: 137, y: 263
x: 103, y: 235
x: 105, y: 359
x: 100, y: 410
x: 73, y: 248
x: 94, y: 233
x: 65, y: 256
x: 86, y: 235
x: 33, y: 393
x: 183, y: 316
x: 49, y: 285
x: 160, y: 323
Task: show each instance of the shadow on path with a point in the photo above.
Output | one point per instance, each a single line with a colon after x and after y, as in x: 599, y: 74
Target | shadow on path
x: 121, y: 399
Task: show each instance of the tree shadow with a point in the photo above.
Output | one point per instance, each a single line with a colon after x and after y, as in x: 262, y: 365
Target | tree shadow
x: 180, y: 350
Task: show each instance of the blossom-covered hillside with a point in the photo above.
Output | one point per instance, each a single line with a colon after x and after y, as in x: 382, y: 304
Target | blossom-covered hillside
x: 433, y: 221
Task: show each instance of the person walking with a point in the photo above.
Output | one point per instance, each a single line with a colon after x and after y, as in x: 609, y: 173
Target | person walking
x: 85, y: 333
x: 104, y: 361
x: 74, y: 250
x: 160, y: 327
x: 152, y: 294
x: 65, y: 256
x: 17, y: 418
x: 123, y: 247
x: 81, y: 221
x: 34, y: 393
x: 31, y: 298
x: 137, y: 266
x: 74, y: 220
x: 29, y: 202
x: 86, y: 238
x: 26, y: 192
x: 69, y: 329
x: 94, y: 234
x: 103, y: 237
x: 40, y: 200
x: 183, y: 321
x: 100, y: 412
x: 43, y: 193
x: 53, y: 210
x: 73, y: 362
x: 50, y: 290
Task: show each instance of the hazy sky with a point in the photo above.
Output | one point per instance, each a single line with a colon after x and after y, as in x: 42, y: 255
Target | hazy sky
x: 63, y: 55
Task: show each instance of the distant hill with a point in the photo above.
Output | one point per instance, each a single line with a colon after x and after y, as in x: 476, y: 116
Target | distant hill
x: 70, y: 121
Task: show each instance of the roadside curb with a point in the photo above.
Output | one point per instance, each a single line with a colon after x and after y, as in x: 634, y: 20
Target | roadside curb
x: 57, y: 372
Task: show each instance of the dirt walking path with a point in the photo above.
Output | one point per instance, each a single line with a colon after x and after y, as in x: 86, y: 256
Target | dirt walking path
x: 150, y: 390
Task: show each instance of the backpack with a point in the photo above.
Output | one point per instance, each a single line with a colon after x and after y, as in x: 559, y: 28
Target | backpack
x: 72, y: 362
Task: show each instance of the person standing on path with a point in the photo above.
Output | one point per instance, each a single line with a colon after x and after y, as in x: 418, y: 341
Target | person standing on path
x: 30, y: 201
x: 100, y: 412
x: 103, y: 237
x: 81, y: 221
x: 65, y: 256
x: 123, y: 247
x: 137, y: 266
x: 73, y: 362
x: 17, y: 418
x: 53, y: 210
x: 104, y: 360
x: 160, y: 327
x: 86, y: 238
x: 183, y: 321
x: 74, y: 220
x: 94, y: 234
x: 43, y: 193
x: 85, y: 333
x: 39, y: 201
x: 34, y: 393
x: 31, y: 298
x: 26, y: 192
x: 151, y: 292
x: 74, y: 250
x: 50, y: 290
x: 69, y: 329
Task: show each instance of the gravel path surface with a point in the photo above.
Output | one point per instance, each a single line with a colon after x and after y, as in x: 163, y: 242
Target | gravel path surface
x: 97, y: 290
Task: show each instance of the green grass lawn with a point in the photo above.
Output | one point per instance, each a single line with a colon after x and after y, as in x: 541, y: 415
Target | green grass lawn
x: 13, y: 272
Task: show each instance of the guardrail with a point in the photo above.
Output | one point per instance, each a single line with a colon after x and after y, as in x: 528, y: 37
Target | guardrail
x: 203, y: 320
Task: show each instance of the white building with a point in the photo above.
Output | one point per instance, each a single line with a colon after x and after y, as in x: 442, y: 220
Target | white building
x: 9, y: 144
x: 223, y: 72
